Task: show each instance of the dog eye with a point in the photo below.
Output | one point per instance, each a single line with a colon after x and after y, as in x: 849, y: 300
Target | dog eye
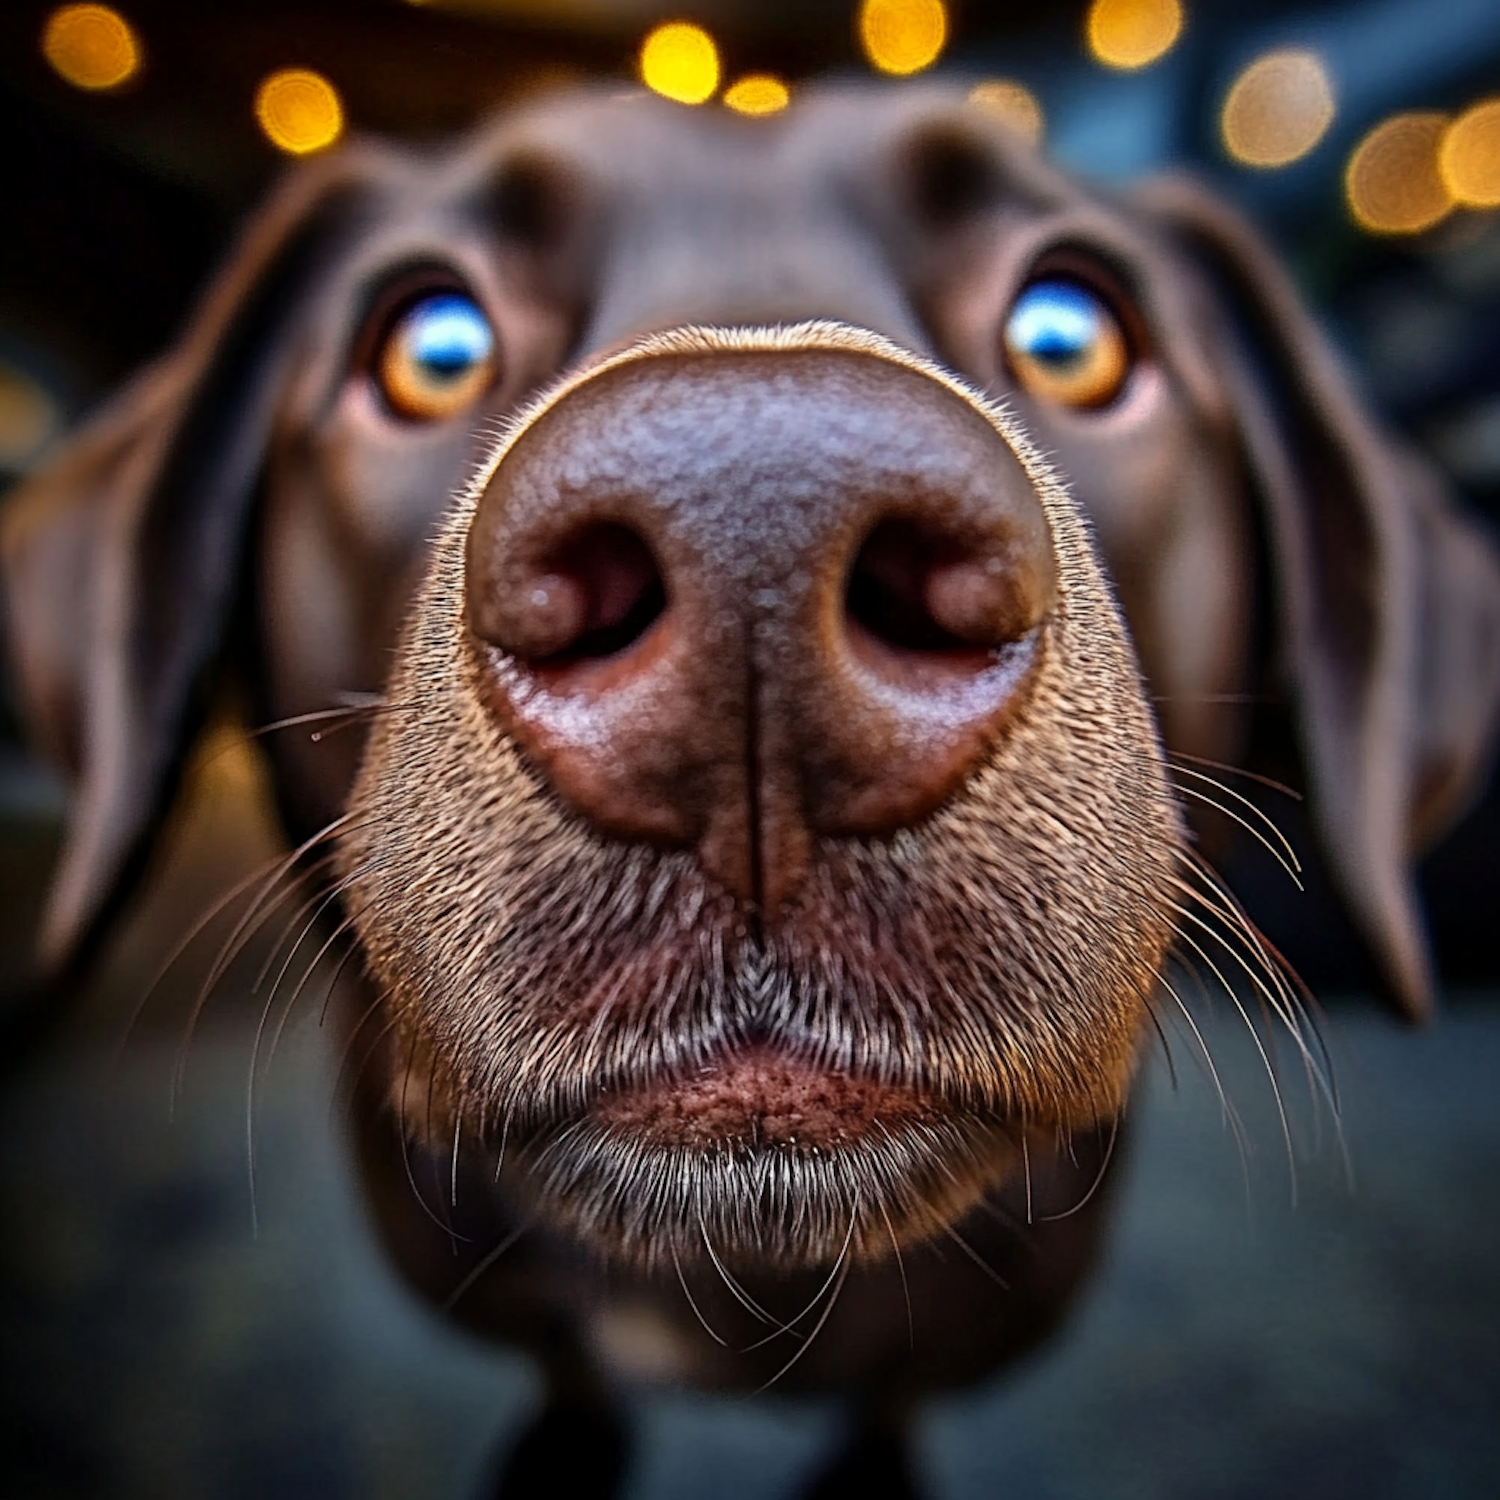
x: 437, y: 358
x: 1064, y: 343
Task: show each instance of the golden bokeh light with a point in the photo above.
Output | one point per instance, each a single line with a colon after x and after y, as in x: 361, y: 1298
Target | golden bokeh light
x: 299, y: 110
x: 1392, y: 182
x: 757, y: 94
x: 680, y: 61
x: 1129, y: 34
x: 1469, y: 157
x: 1012, y: 103
x: 902, y: 36
x: 91, y: 46
x: 28, y: 418
x: 1278, y: 109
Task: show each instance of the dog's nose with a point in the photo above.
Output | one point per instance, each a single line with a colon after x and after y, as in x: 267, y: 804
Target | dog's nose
x: 742, y: 601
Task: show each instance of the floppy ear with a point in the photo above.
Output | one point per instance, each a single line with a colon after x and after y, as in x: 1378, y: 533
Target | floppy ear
x: 1388, y: 599
x: 121, y: 558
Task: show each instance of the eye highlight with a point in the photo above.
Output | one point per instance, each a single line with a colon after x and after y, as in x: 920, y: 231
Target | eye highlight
x: 437, y: 358
x: 1064, y: 343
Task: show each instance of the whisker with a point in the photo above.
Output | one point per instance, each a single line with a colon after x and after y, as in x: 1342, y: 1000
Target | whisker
x: 1286, y: 1005
x: 953, y: 1234
x: 1263, y: 699
x: 911, y: 1327
x: 320, y: 899
x: 735, y: 1290
x: 484, y: 1266
x: 1229, y: 1113
x: 236, y: 940
x: 813, y: 1301
x: 1304, y: 1002
x: 1281, y: 851
x: 1229, y: 770
x: 405, y: 1135
x: 348, y: 1051
x: 1026, y: 1163
x: 1277, y: 1002
x: 347, y: 712
x: 345, y: 925
x: 1083, y: 1202
x: 458, y: 1128
x: 227, y: 899
x: 702, y: 1321
x: 504, y: 1136
x: 350, y: 949
x: 1161, y: 1036
x: 1286, y: 1128
x: 817, y: 1328
x: 280, y: 1028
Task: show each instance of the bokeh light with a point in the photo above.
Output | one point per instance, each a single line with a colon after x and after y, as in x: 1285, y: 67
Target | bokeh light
x: 1130, y: 34
x: 299, y: 110
x: 1278, y: 109
x: 28, y: 418
x: 1469, y: 157
x: 757, y: 94
x: 1012, y: 103
x: 91, y: 46
x: 680, y: 61
x: 1392, y: 182
x: 902, y: 36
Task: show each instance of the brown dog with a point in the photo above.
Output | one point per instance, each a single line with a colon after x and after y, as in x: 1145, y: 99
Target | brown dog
x: 764, y: 860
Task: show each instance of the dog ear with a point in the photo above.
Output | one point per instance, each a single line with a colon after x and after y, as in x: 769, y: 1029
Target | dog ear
x: 121, y: 558
x: 1388, y: 600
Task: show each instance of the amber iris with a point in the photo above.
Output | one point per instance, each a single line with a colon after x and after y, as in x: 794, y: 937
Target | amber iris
x: 438, y: 358
x: 1064, y: 344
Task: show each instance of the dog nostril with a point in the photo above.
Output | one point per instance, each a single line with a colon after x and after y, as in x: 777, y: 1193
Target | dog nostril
x: 593, y: 595
x: 919, y: 591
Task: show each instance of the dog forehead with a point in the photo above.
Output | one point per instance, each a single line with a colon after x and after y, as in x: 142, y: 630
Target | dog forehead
x: 705, y: 216
x: 835, y: 142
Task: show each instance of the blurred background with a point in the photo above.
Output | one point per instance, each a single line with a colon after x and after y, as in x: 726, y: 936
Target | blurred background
x: 154, y: 1339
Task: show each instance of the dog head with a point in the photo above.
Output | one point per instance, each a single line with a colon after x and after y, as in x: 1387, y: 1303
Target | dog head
x: 764, y: 753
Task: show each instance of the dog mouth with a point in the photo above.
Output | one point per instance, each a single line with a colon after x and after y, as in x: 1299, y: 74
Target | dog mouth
x: 761, y: 1158
x: 764, y: 1096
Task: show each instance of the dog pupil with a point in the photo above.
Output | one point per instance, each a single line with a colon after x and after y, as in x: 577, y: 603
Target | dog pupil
x: 447, y: 336
x: 1054, y: 322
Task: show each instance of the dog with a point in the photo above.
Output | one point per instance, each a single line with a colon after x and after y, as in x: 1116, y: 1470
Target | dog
x: 776, y: 558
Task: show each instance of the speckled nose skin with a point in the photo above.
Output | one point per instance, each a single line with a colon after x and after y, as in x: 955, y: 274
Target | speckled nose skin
x: 733, y: 602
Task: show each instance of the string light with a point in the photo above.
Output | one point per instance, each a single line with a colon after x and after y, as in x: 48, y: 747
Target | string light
x: 680, y: 61
x: 91, y: 46
x: 1012, y: 103
x: 1469, y: 157
x: 1130, y: 34
x: 902, y: 37
x: 299, y: 110
x: 757, y: 94
x: 1278, y: 109
x: 28, y: 418
x: 1392, y: 181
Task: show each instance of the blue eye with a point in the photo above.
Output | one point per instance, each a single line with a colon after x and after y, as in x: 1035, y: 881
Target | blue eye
x: 1064, y: 344
x: 438, y: 357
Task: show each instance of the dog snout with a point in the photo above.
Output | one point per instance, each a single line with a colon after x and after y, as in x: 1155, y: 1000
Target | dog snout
x: 737, y: 602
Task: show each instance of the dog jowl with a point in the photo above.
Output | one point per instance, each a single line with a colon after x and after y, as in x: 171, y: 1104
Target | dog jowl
x: 763, y: 860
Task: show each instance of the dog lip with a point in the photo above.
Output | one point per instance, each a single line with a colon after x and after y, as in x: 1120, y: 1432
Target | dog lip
x: 763, y: 1095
